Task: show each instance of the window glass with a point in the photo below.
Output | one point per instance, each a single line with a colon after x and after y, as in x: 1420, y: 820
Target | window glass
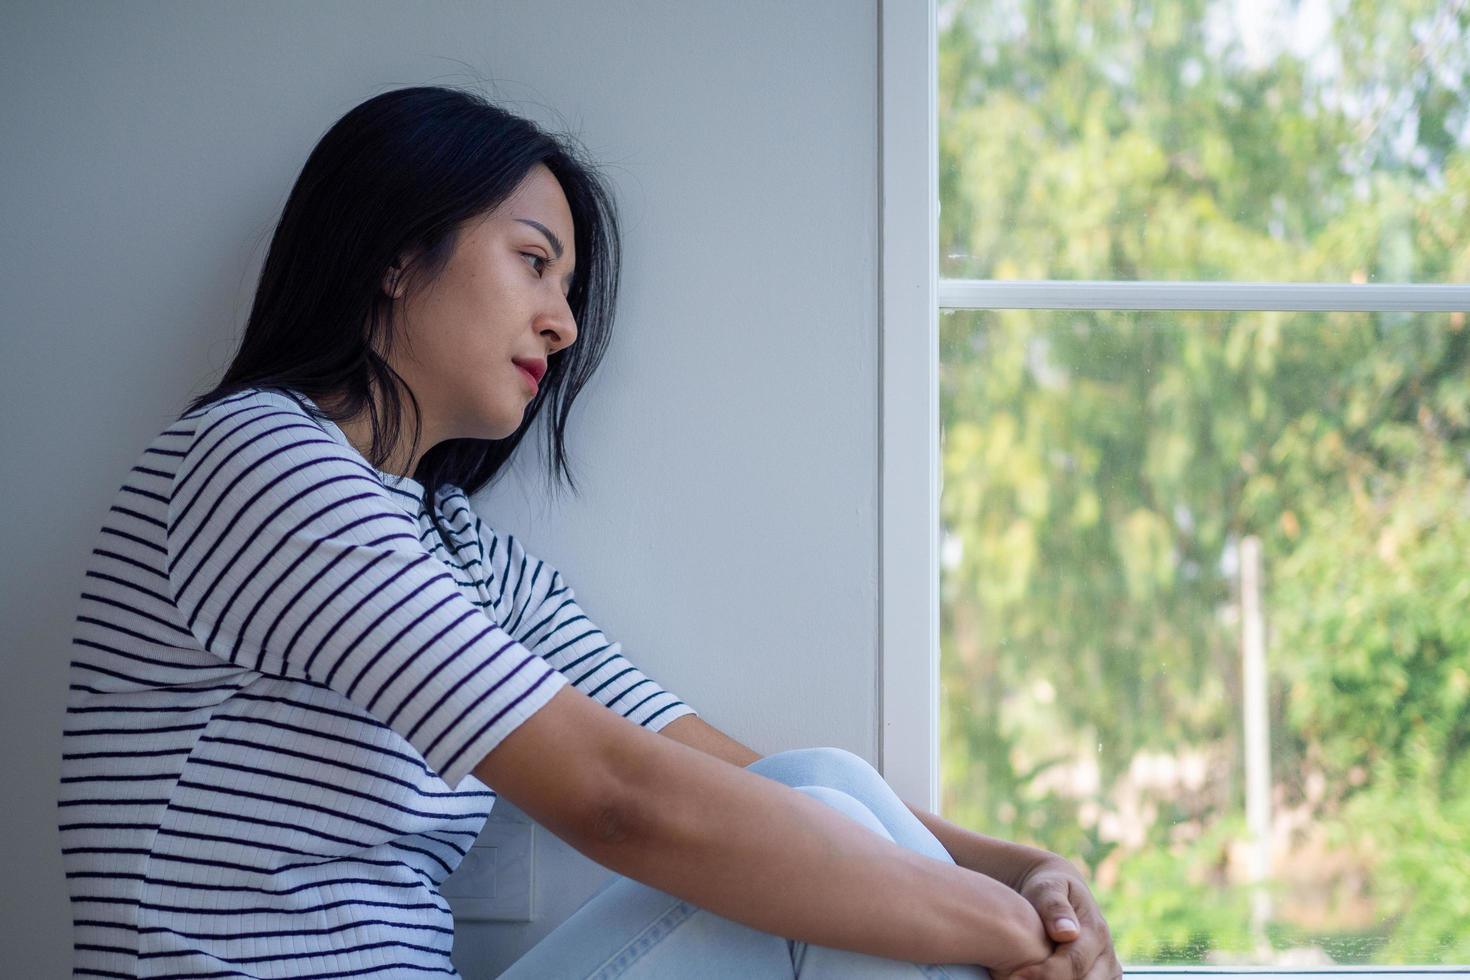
x: 1249, y: 140
x: 1129, y: 502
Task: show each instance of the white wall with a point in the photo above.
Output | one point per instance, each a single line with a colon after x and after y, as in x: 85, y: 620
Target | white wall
x: 727, y: 451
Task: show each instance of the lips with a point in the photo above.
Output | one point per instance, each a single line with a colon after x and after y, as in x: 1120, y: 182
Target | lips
x: 534, y: 367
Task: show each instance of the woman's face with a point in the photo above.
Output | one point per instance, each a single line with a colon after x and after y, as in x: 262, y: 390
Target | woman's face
x: 503, y: 296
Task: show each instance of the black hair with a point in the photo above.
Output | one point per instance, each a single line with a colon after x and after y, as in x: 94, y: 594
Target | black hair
x: 403, y: 172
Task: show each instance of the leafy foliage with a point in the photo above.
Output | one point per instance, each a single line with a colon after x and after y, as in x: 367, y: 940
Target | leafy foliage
x: 1100, y: 468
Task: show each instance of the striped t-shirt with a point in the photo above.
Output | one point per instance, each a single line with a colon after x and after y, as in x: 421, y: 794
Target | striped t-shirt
x: 283, y: 676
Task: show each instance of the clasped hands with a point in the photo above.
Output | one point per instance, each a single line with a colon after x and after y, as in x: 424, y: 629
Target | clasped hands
x: 1077, y: 943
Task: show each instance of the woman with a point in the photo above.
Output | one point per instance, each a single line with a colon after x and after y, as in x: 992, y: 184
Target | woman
x: 302, y: 660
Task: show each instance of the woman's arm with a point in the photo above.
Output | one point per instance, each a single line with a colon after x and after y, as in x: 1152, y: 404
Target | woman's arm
x: 761, y: 853
x: 747, y: 847
x: 538, y: 606
x: 695, y: 732
x: 1048, y: 881
x: 1003, y: 860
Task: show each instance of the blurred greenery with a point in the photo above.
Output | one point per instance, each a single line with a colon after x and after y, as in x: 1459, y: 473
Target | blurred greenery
x: 1100, y: 468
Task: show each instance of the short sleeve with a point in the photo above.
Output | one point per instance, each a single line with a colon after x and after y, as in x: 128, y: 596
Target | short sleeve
x: 537, y: 607
x: 288, y: 556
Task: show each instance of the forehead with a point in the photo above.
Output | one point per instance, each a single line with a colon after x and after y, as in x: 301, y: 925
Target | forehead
x: 540, y: 198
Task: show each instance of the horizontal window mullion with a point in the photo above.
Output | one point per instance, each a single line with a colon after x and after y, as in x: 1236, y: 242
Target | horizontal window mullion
x: 1072, y: 294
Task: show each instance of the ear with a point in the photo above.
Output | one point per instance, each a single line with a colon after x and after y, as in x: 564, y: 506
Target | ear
x: 392, y: 284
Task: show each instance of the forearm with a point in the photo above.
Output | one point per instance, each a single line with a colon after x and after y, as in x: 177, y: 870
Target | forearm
x: 695, y: 732
x: 1003, y: 860
x: 763, y: 854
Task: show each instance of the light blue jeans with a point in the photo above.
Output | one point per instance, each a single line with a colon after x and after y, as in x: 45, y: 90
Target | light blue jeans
x: 636, y: 932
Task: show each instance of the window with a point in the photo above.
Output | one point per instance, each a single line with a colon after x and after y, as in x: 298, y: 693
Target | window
x: 1176, y: 462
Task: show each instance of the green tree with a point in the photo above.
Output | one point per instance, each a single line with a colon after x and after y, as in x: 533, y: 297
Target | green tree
x: 1101, y: 467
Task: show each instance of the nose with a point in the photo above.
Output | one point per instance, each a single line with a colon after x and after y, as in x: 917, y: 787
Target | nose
x: 560, y: 327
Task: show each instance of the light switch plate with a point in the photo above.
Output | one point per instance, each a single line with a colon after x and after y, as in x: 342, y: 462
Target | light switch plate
x: 494, y: 881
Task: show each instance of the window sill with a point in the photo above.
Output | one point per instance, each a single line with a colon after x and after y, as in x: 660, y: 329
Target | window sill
x: 1371, y: 972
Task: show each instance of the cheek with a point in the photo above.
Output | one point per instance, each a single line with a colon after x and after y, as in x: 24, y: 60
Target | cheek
x: 474, y: 360
x: 469, y: 338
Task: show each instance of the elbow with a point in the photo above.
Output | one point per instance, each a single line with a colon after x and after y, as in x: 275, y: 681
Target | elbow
x: 609, y: 825
x: 632, y: 822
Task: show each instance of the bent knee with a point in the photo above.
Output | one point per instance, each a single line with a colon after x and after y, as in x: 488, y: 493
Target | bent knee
x: 820, y: 765
x: 848, y: 806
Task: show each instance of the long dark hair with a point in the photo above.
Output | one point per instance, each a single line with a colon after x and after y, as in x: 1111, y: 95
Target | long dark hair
x: 407, y: 170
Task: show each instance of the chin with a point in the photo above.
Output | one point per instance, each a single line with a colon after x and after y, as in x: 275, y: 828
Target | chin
x: 496, y: 421
x: 487, y: 427
x: 508, y: 427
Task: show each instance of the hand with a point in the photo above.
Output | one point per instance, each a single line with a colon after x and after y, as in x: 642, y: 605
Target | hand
x: 1029, y: 956
x: 1084, y: 947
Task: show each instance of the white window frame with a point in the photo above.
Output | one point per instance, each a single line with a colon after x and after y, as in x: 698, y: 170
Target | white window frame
x: 911, y: 297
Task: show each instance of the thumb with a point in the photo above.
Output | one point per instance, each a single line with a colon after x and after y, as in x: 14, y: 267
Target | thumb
x: 1062, y: 927
x: 1057, y: 913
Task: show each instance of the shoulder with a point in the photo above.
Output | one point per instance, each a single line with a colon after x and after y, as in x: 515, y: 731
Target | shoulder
x: 251, y: 399
x: 264, y: 441
x: 259, y: 419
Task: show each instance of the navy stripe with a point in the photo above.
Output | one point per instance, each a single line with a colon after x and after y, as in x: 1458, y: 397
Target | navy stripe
x: 341, y: 662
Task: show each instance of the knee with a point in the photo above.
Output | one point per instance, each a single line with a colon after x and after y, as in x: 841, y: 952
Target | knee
x: 833, y: 759
x: 823, y: 765
x: 847, y: 806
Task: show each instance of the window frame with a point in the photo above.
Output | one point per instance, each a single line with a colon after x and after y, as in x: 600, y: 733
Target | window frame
x: 911, y: 297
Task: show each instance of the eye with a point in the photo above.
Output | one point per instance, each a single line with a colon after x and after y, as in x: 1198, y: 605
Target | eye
x: 539, y: 258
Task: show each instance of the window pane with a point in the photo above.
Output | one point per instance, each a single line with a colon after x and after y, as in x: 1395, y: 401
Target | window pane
x: 1251, y: 140
x: 1104, y: 475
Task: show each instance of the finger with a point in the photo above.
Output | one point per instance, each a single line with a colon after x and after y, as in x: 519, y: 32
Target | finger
x: 1062, y: 927
x: 1093, y: 943
x: 1086, y: 952
x: 1106, y: 967
x: 1096, y: 938
x: 1066, y: 962
x: 1063, y: 964
x: 1053, y: 904
x: 1100, y: 967
x: 1075, y: 960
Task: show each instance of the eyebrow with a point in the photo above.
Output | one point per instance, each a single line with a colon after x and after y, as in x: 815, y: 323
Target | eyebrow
x: 556, y: 245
